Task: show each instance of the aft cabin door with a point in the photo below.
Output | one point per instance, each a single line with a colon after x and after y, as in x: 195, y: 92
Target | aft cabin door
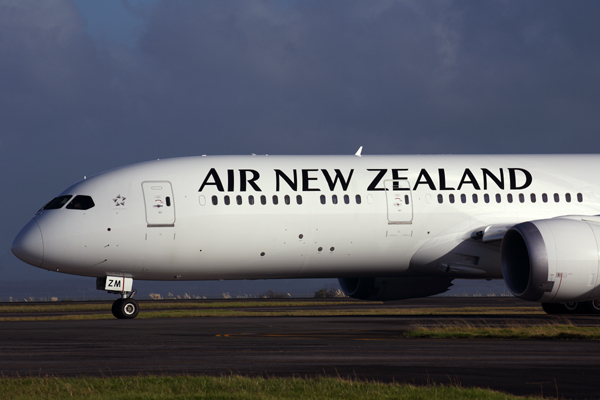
x: 160, y: 207
x: 399, y: 201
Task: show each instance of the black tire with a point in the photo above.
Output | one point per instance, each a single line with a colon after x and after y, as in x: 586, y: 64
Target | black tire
x: 125, y: 308
x: 572, y: 307
x: 116, y: 308
x: 553, y: 308
x: 592, y: 307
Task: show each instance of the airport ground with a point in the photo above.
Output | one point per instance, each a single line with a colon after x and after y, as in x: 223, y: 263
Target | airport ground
x: 367, y: 347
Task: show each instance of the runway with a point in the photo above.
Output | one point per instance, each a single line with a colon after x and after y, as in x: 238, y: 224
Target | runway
x: 365, y: 347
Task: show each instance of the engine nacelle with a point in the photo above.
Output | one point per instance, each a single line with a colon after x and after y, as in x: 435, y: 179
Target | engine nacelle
x: 553, y: 260
x: 384, y: 289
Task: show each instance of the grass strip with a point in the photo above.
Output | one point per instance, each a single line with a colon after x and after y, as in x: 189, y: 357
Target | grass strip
x: 230, y: 387
x: 545, y: 331
x: 323, y: 312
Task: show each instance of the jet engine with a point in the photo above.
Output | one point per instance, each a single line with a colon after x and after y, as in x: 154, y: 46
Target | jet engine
x: 384, y: 289
x: 553, y: 260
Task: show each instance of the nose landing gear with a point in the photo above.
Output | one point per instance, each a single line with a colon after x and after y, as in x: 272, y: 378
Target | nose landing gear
x: 124, y: 307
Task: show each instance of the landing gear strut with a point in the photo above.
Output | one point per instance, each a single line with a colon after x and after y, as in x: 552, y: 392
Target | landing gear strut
x: 124, y: 307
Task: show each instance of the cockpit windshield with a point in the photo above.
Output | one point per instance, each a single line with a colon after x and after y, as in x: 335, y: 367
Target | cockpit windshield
x: 57, y: 202
x: 81, y: 203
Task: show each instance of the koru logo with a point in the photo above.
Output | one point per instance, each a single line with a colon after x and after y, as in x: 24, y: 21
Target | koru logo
x: 119, y: 200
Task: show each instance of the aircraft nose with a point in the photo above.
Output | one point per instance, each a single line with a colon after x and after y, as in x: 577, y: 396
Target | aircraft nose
x: 28, y: 246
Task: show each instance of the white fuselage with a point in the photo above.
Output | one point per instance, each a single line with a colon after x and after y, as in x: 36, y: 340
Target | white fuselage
x: 157, y: 220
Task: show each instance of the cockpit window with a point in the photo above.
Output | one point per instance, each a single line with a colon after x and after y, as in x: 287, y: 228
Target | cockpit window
x: 81, y: 203
x: 57, y: 202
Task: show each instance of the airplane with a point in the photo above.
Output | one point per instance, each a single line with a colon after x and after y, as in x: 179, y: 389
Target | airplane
x: 388, y: 227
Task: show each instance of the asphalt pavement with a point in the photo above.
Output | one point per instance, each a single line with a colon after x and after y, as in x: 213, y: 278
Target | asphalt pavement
x: 362, y: 347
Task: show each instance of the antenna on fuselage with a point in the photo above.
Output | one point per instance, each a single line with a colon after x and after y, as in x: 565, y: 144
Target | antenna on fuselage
x: 358, y: 152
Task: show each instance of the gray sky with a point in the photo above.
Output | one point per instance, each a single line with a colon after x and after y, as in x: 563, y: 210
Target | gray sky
x: 86, y: 86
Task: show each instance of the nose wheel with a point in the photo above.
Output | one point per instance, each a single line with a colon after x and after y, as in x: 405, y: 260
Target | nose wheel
x: 125, y: 308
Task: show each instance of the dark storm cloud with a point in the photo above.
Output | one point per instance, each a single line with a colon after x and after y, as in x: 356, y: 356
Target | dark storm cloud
x: 396, y: 76
x: 288, y: 77
x: 306, y: 75
x: 48, y: 67
x: 309, y: 76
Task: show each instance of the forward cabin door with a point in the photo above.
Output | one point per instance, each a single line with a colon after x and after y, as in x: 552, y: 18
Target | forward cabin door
x: 399, y: 201
x: 160, y: 207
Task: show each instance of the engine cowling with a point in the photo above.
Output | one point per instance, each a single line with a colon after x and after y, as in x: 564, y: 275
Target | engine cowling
x: 553, y: 260
x: 386, y: 289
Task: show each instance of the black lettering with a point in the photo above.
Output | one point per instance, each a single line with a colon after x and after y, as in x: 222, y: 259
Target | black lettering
x: 215, y: 180
x: 251, y: 182
x: 471, y: 180
x: 513, y: 178
x: 396, y: 178
x: 442, y: 175
x: 395, y: 173
x: 306, y: 181
x: 230, y: 180
x: 114, y: 283
x: 424, y: 178
x: 375, y: 182
x: 499, y: 182
x: 338, y: 175
x: 293, y: 184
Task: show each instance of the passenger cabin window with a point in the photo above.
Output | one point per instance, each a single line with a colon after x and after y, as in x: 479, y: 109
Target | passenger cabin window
x: 226, y: 199
x: 299, y: 199
x: 323, y: 199
x: 440, y: 198
x: 544, y: 197
x: 533, y: 197
x: 57, y: 202
x: 498, y: 198
x: 486, y: 198
x: 81, y: 203
x: 275, y: 199
x: 521, y: 198
x: 568, y: 197
x: 251, y: 200
x: 358, y: 199
x: 579, y: 197
x: 263, y: 200
x: 509, y: 198
x: 475, y: 198
x: 451, y: 198
x: 215, y: 200
x: 556, y: 197
x: 346, y: 199
x: 463, y: 198
x: 286, y: 198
